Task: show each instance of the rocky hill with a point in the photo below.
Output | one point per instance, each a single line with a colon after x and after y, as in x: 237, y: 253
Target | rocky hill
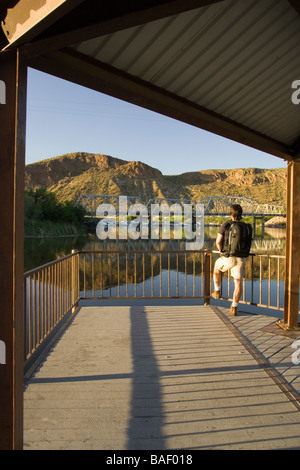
x: 74, y: 174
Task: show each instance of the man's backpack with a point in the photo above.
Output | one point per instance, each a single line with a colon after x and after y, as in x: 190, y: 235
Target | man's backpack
x: 238, y: 240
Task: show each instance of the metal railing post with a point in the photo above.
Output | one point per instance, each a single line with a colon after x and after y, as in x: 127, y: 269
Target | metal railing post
x: 74, y: 280
x: 207, y: 277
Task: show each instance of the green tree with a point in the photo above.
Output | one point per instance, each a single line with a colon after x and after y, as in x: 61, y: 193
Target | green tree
x: 42, y: 204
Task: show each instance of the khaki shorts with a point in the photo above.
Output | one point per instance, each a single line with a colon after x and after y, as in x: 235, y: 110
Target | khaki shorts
x: 236, y: 265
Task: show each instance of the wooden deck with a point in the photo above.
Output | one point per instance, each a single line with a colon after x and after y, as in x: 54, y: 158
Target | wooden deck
x: 165, y: 377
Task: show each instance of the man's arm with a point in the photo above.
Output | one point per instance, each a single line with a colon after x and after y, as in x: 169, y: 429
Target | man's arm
x: 219, y: 241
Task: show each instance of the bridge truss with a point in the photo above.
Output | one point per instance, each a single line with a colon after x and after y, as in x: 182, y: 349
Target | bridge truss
x: 219, y: 205
x: 213, y: 205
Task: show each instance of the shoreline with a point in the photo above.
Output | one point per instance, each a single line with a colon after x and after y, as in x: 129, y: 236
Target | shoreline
x: 56, y: 236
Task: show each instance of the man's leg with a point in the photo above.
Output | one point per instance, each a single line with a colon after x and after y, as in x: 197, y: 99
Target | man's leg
x: 217, y: 283
x: 219, y: 265
x: 238, y: 274
x: 238, y: 289
x: 222, y: 265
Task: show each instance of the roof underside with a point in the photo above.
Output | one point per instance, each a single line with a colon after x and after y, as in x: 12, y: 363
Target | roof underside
x: 227, y: 57
x: 227, y: 67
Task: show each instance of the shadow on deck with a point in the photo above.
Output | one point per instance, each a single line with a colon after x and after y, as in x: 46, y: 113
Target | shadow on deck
x: 165, y: 377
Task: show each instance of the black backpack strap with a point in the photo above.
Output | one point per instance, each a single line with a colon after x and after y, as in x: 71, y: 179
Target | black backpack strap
x: 226, y: 238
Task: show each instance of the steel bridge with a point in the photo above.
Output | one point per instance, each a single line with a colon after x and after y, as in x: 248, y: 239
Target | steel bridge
x: 213, y: 205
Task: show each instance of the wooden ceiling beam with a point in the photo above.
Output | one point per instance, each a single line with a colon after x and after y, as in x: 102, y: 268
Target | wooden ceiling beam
x: 23, y: 21
x: 83, y: 70
x: 296, y: 5
x: 295, y: 149
x: 102, y: 19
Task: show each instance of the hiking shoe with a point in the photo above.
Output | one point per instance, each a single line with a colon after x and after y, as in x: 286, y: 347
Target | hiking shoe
x: 233, y: 310
x: 216, y: 294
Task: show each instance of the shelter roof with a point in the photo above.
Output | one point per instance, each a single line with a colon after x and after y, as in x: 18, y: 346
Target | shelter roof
x: 223, y: 66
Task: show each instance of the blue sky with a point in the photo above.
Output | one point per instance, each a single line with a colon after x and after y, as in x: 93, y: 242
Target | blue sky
x: 63, y: 117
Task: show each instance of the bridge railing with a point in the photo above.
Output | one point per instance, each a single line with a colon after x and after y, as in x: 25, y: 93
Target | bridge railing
x: 52, y: 291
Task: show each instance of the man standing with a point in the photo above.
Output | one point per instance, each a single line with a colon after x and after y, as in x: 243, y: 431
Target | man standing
x: 228, y: 261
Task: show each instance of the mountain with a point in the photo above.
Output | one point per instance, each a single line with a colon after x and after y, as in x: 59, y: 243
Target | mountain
x: 71, y: 175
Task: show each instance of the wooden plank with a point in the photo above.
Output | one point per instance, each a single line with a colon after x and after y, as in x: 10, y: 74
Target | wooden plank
x: 155, y: 377
x: 12, y: 164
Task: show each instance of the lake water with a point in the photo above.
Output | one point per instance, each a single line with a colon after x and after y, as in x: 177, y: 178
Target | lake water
x: 39, y: 251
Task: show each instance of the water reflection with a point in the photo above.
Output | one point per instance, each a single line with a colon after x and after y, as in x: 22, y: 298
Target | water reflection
x: 39, y: 251
x: 158, y: 275
x: 42, y: 250
x: 275, y: 232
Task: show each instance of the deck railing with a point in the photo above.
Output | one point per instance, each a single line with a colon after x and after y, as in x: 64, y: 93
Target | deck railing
x: 145, y: 274
x: 263, y: 285
x: 52, y: 291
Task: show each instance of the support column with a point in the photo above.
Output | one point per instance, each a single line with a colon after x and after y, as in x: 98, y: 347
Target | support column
x: 292, y: 264
x: 12, y: 162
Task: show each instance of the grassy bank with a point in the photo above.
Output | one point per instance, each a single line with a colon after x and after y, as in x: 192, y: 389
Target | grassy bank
x: 46, y: 228
x: 216, y: 220
x: 45, y: 216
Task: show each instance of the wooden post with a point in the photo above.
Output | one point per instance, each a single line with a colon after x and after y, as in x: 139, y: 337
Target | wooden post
x: 12, y: 162
x: 291, y: 293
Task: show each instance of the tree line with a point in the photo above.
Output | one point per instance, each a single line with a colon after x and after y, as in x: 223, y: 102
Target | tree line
x: 43, y: 205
